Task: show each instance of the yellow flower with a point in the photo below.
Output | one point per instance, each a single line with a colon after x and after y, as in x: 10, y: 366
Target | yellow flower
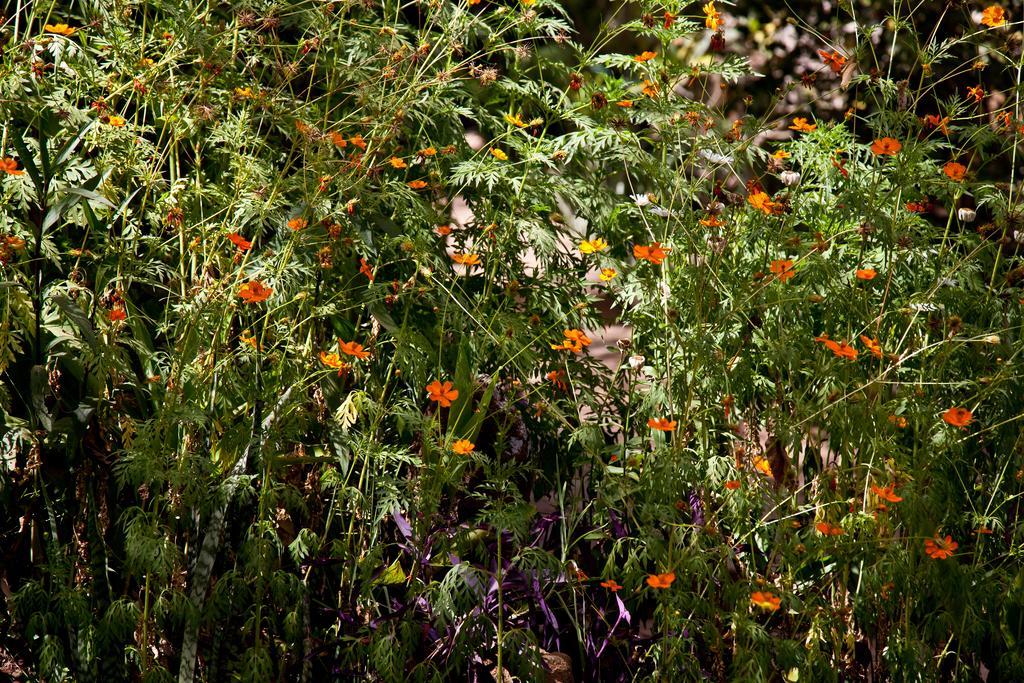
x: 516, y: 120
x: 592, y: 246
x: 498, y: 154
x: 60, y: 29
x: 712, y: 20
x: 607, y: 274
x: 116, y: 121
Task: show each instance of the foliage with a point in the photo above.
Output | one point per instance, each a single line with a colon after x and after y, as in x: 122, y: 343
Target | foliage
x: 425, y: 340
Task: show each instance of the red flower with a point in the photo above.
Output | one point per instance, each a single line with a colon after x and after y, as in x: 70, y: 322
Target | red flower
x: 365, y: 269
x: 254, y: 291
x: 826, y: 529
x: 940, y: 549
x: 239, y: 241
x: 833, y: 60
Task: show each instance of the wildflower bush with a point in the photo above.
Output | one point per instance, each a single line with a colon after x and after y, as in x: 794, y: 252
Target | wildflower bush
x: 427, y: 341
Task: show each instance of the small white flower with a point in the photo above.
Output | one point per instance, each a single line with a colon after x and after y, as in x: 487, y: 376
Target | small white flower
x: 715, y: 157
x: 636, y: 361
x: 789, y: 178
x: 966, y: 215
x: 641, y: 200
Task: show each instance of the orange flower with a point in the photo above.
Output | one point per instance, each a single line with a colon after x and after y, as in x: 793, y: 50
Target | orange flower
x: 557, y: 377
x: 611, y: 585
x: 10, y: 166
x: 397, y: 163
x: 338, y: 140
x: 662, y: 424
x: 250, y: 340
x: 841, y: 349
x: 977, y: 92
x: 955, y: 171
x: 934, y: 121
x: 607, y: 274
x: 871, y: 345
x: 297, y: 223
x: 712, y: 222
x: 883, y: 146
x: 116, y: 314
x: 940, y: 549
x: 239, y: 241
x: 366, y: 269
x: 645, y: 56
x: 116, y: 121
x: 466, y: 259
x: 593, y: 246
x: 886, y: 493
x: 783, y: 269
x: 765, y: 600
x: 958, y: 417
x: 781, y: 154
x: 866, y: 273
x: 59, y: 29
x: 763, y: 203
x: 333, y: 361
x: 712, y: 19
x: 834, y: 61
x: 14, y: 242
x: 762, y: 465
x: 427, y: 152
x: 353, y: 349
x: 574, y: 341
x: 801, y: 126
x: 650, y: 88
x: 442, y: 393
x: 463, y: 447
x: 358, y: 141
x: 653, y: 252
x: 499, y: 154
x: 899, y: 421
x: 417, y: 184
x: 826, y: 529
x: 661, y: 580
x: 732, y: 484
x: 993, y: 16
x: 254, y: 291
x: 625, y: 104
x: 443, y: 230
